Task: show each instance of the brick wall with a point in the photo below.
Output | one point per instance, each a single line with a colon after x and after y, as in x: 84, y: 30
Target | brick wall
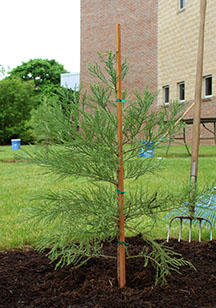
x: 138, y: 21
x: 178, y: 33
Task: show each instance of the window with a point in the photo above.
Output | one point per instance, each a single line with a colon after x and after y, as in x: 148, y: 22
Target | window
x: 181, y: 91
x: 208, y: 86
x: 181, y: 4
x: 166, y: 95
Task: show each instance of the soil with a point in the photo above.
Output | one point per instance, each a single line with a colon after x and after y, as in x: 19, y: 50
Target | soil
x: 28, y: 279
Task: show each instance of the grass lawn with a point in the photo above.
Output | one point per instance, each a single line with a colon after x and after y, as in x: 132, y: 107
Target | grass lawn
x: 20, y: 181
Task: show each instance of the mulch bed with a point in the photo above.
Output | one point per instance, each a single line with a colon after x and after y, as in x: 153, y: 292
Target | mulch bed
x: 27, y: 279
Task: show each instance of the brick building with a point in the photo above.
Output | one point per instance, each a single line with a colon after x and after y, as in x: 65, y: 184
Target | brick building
x: 159, y: 39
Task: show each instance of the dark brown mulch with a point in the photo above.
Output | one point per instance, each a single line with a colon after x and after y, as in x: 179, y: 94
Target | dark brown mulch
x: 28, y: 280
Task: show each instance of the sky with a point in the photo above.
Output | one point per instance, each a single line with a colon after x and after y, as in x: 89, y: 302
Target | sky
x: 46, y: 29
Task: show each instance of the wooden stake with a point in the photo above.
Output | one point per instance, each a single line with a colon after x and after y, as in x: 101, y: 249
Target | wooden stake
x: 121, y: 236
x: 184, y: 114
x: 198, y: 95
x: 197, y: 108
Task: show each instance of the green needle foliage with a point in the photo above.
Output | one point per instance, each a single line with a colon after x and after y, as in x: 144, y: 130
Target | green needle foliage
x: 79, y: 221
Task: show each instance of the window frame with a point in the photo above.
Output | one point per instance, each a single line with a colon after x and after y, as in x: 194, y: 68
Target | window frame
x: 164, y: 94
x: 179, y: 91
x: 205, y: 78
x: 182, y: 5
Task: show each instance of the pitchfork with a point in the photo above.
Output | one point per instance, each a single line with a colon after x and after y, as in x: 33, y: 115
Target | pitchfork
x: 196, y: 128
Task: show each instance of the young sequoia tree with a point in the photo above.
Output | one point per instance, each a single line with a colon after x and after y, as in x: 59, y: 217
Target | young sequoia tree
x: 81, y: 219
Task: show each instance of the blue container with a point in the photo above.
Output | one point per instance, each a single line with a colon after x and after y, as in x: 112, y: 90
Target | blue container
x: 147, y: 150
x: 15, y: 144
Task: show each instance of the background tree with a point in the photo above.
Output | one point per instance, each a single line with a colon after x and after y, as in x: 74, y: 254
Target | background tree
x: 45, y: 74
x: 78, y: 221
x: 16, y: 103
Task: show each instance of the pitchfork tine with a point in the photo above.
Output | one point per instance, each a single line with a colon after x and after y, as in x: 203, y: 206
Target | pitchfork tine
x: 190, y: 230
x: 169, y: 227
x: 211, y: 230
x: 200, y: 231
x: 180, y: 230
x: 168, y: 233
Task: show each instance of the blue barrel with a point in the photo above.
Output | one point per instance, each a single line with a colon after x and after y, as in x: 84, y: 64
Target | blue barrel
x: 15, y: 144
x: 147, y: 150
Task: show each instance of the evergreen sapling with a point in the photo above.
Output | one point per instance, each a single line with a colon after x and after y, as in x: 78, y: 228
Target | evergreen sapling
x: 79, y: 221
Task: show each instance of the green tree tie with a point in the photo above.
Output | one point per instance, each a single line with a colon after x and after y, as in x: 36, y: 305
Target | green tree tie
x: 123, y: 243
x: 120, y: 192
